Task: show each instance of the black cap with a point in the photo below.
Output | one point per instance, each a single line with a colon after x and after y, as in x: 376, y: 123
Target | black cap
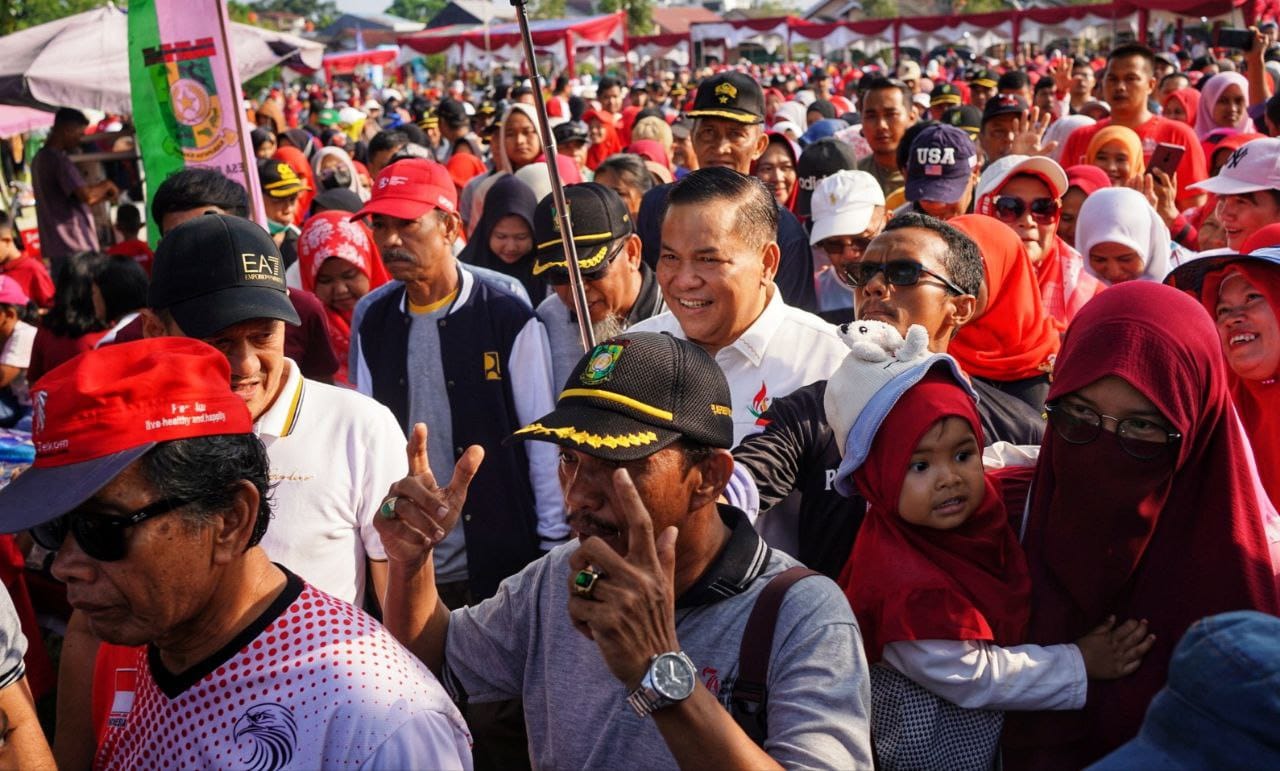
x: 337, y: 198
x: 570, y: 131
x: 731, y: 95
x: 216, y: 270
x: 964, y: 116
x: 278, y: 179
x: 635, y: 394
x: 944, y: 93
x: 452, y: 113
x: 820, y: 160
x: 984, y: 78
x: 599, y: 218
x: 1003, y: 104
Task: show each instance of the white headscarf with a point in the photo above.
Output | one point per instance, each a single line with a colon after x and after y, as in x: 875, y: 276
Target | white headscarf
x: 355, y: 185
x: 794, y: 112
x: 1060, y: 129
x: 1123, y: 216
x: 499, y: 148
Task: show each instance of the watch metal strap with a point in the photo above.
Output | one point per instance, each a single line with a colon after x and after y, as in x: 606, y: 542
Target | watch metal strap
x: 642, y: 702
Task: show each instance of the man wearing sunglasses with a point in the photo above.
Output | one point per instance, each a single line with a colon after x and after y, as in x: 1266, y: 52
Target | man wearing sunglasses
x: 848, y: 211
x: 919, y: 270
x: 153, y: 491
x: 621, y: 290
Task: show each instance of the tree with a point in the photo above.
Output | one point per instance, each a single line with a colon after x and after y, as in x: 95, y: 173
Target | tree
x: 20, y: 14
x: 416, y: 10
x: 320, y: 12
x: 639, y: 14
x: 548, y: 9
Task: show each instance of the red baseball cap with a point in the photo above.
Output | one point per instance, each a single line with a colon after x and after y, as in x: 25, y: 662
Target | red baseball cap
x: 104, y: 409
x: 409, y: 189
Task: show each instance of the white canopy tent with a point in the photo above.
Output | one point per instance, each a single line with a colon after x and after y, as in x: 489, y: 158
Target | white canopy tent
x: 82, y: 61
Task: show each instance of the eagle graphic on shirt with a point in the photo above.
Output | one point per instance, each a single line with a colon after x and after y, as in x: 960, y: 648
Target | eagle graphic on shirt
x: 272, y: 732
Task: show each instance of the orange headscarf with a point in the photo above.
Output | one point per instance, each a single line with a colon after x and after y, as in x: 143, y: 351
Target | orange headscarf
x: 1014, y: 338
x: 302, y: 167
x: 612, y: 139
x: 1128, y: 138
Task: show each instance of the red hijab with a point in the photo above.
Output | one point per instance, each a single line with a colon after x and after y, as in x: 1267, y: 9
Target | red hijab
x: 1014, y: 338
x: 334, y: 234
x: 1171, y: 540
x: 908, y: 582
x: 302, y: 167
x: 793, y: 150
x: 1257, y: 401
x: 1189, y: 98
x: 612, y: 143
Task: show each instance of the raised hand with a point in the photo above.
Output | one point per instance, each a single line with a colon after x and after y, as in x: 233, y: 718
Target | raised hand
x: 1111, y: 652
x: 417, y: 513
x: 1030, y: 131
x: 630, y: 612
x: 1061, y: 72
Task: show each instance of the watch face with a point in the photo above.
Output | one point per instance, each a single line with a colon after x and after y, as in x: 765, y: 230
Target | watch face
x: 673, y: 676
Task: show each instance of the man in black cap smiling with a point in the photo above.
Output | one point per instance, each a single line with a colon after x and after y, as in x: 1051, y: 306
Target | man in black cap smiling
x: 620, y: 288
x: 644, y: 667
x: 728, y: 131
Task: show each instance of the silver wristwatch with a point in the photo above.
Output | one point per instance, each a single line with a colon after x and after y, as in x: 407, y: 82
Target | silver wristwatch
x: 670, y: 679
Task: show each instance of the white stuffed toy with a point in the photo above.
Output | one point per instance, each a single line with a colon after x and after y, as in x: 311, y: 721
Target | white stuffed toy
x: 880, y: 366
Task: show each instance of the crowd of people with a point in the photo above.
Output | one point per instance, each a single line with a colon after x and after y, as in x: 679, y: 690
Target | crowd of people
x: 930, y: 422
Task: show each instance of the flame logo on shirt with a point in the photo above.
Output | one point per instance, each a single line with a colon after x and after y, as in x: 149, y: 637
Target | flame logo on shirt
x: 273, y: 733
x: 760, y: 404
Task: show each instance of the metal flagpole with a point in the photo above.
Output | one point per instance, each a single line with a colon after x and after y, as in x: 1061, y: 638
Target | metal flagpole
x: 557, y: 187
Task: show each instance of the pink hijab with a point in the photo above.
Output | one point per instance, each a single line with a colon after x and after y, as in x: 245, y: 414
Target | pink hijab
x: 1209, y: 95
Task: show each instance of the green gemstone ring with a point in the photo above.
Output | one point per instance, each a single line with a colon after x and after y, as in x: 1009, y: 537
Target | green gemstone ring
x: 584, y: 583
x: 388, y: 508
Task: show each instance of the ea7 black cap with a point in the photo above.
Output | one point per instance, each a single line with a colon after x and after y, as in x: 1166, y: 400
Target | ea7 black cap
x: 635, y: 394
x: 731, y: 95
x: 217, y: 270
x: 599, y: 219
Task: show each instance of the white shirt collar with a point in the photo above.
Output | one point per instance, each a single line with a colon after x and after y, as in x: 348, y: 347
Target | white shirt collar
x: 754, y: 341
x: 282, y: 416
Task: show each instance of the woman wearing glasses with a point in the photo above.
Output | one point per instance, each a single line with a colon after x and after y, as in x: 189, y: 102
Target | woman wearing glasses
x: 1025, y: 193
x: 1143, y: 506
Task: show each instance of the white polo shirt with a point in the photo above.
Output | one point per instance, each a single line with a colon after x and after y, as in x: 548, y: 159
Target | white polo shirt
x: 783, y: 349
x: 334, y: 455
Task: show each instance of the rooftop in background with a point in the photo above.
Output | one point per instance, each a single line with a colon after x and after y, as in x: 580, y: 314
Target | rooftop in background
x: 376, y: 29
x: 473, y: 12
x: 671, y: 20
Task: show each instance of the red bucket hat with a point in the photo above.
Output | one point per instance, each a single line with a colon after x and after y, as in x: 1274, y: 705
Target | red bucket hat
x: 104, y: 409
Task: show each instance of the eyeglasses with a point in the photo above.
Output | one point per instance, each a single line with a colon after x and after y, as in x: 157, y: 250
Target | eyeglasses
x: 1141, y: 438
x: 896, y: 273
x: 836, y: 247
x: 561, y: 277
x: 1010, y: 208
x: 100, y: 536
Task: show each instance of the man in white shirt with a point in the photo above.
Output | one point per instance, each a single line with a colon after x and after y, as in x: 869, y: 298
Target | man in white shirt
x: 716, y: 266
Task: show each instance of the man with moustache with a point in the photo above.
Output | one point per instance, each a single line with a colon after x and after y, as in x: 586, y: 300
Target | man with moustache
x: 642, y: 669
x: 620, y: 289
x: 451, y: 349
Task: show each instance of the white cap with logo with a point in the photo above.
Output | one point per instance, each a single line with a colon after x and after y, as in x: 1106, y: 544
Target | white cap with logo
x: 1253, y: 166
x: 843, y: 204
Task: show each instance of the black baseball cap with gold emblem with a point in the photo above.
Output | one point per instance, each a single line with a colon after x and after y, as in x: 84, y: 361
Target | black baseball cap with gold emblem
x: 600, y: 219
x: 278, y: 179
x: 635, y: 394
x: 731, y: 95
x: 215, y: 271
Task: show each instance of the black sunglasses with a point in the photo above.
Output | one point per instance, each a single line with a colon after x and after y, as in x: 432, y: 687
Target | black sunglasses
x: 1010, y: 208
x: 896, y: 273
x: 100, y: 536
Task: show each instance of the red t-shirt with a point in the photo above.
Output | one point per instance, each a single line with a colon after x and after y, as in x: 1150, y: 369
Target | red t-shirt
x: 1192, y: 169
x: 50, y: 350
x: 31, y: 274
x: 135, y: 249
